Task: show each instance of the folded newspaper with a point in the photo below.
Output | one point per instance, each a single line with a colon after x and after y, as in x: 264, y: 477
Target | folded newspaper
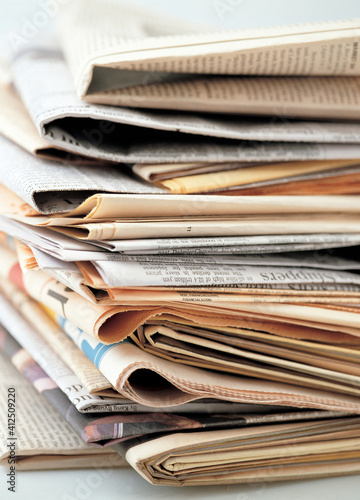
x: 44, y: 440
x: 208, y: 338
x: 144, y: 65
x: 280, y: 452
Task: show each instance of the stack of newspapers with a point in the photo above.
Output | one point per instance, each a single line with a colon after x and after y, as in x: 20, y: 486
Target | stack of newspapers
x: 180, y: 237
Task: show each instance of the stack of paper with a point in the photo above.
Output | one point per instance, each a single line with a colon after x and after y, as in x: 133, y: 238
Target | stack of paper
x: 151, y: 312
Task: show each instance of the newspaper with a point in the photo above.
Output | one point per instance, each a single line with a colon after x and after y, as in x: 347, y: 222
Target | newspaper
x: 264, y: 453
x: 105, y: 430
x: 153, y: 270
x: 251, y: 355
x: 44, y: 440
x: 106, y: 64
x: 159, y: 173
x: 239, y: 243
x: 94, y: 130
x: 174, y: 382
x: 35, y: 180
x: 256, y: 176
x: 346, y: 183
x: 89, y: 285
x: 244, y: 225
x: 92, y: 380
x: 99, y: 207
x: 331, y: 185
x: 331, y: 182
x: 112, y: 323
x: 55, y: 244
x: 114, y: 206
x: 49, y: 361
x: 122, y: 427
x: 16, y: 125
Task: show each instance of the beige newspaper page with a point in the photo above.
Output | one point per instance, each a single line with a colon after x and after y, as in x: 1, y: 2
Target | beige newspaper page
x: 243, y: 176
x: 102, y: 65
x: 251, y: 357
x: 156, y: 173
x: 174, y: 384
x: 113, y: 323
x: 296, y: 97
x: 102, y: 206
x: 87, y: 373
x: 44, y: 440
x: 45, y: 85
x: 265, y: 453
x: 105, y: 205
x: 16, y: 125
x: 199, y: 227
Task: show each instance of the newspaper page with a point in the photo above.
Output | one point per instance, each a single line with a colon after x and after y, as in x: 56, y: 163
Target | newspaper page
x: 239, y: 243
x: 16, y: 125
x: 310, y: 293
x: 35, y: 180
x: 178, y: 383
x: 252, y: 176
x: 217, y: 271
x: 155, y: 173
x: 49, y: 361
x: 88, y: 284
x: 94, y: 130
x: 86, y: 425
x: 89, y: 376
x: 329, y: 182
x: 291, y: 259
x: 55, y: 244
x: 103, y: 206
x: 44, y: 440
x: 201, y: 226
x: 285, y: 97
x: 200, y: 53
x: 202, y: 348
x: 114, y: 206
x: 114, y: 323
x: 104, y: 66
x: 345, y: 183
x: 287, y: 452
x: 105, y: 430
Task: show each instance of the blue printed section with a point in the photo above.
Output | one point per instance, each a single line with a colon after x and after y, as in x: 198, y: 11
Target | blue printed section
x: 91, y: 347
x: 95, y: 354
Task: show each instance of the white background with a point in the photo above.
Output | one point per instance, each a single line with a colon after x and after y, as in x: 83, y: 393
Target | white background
x: 21, y: 18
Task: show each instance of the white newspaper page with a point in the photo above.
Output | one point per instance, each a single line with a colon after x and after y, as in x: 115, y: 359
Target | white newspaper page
x: 198, y: 245
x: 153, y: 273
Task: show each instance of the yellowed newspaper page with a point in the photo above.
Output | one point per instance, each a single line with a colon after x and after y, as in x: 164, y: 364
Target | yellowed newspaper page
x: 266, y: 453
x: 154, y: 173
x: 243, y: 176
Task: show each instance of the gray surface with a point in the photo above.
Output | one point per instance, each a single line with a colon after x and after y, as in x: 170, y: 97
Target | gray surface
x: 127, y: 485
